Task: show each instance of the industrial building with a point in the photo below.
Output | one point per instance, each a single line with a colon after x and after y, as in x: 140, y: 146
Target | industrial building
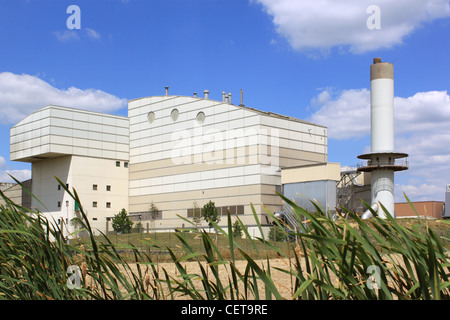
x: 180, y: 152
x: 173, y: 151
x: 86, y: 150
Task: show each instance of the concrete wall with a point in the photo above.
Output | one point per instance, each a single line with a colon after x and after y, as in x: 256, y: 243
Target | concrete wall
x: 16, y: 193
x: 81, y: 174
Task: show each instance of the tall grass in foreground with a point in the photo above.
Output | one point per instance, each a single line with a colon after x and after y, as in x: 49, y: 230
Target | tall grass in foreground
x: 329, y: 260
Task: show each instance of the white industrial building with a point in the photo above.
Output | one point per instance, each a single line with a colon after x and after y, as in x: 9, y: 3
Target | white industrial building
x: 85, y: 150
x: 172, y: 151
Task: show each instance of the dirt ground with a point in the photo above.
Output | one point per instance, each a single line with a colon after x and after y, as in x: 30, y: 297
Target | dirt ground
x: 284, y: 282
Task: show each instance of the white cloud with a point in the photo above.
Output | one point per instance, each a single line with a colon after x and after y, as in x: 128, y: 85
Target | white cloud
x: 67, y: 35
x: 20, y: 175
x: 2, y: 162
x: 92, y: 33
x: 421, y: 130
x: 322, y: 25
x: 74, y: 35
x: 346, y: 116
x: 20, y: 95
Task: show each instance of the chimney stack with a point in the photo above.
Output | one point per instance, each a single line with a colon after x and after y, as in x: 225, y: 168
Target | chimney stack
x: 381, y: 161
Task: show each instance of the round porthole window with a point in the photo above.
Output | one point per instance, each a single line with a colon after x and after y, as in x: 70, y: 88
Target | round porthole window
x: 174, y: 114
x: 151, y: 116
x: 201, y: 117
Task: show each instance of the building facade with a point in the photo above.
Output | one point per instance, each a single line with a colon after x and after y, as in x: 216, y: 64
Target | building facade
x: 175, y: 152
x: 87, y: 151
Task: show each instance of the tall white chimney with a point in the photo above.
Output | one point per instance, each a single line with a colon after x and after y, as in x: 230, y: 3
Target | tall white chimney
x: 381, y: 161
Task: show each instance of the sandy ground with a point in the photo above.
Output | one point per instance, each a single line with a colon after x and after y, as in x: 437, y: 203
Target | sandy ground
x: 284, y: 282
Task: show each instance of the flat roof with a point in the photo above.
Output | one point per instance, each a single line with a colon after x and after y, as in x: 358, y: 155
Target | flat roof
x: 266, y: 113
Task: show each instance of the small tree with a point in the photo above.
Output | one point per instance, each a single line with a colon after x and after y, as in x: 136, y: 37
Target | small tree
x: 139, y: 227
x: 154, y: 212
x: 209, y: 213
x: 237, y: 230
x: 121, y: 222
x: 276, y: 233
x: 197, y: 218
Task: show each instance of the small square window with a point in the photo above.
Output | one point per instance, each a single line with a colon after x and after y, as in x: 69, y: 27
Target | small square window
x: 108, y: 188
x: 108, y: 204
x: 125, y: 164
x: 94, y: 187
x: 94, y: 204
x: 117, y: 163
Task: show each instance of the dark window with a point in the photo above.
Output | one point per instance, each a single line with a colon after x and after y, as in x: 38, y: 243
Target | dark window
x: 125, y: 164
x: 117, y: 163
x: 94, y: 204
x: 59, y: 187
x: 94, y: 187
x: 59, y: 204
x: 108, y: 188
x: 108, y: 204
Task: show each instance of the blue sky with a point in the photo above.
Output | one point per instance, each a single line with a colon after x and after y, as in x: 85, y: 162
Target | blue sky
x: 307, y: 59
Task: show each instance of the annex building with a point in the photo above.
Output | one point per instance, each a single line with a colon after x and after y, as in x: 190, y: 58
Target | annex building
x: 177, y: 152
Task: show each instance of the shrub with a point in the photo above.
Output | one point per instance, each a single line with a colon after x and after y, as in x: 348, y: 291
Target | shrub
x: 121, y: 222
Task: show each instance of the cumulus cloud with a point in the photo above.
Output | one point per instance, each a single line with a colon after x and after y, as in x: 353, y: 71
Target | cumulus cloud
x: 91, y: 33
x: 21, y: 175
x: 2, y: 162
x: 23, y: 94
x: 66, y: 35
x: 346, y: 114
x: 421, y: 130
x: 73, y: 35
x: 321, y: 24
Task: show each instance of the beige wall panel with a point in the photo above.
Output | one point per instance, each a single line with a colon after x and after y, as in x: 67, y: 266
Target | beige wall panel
x: 328, y: 171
